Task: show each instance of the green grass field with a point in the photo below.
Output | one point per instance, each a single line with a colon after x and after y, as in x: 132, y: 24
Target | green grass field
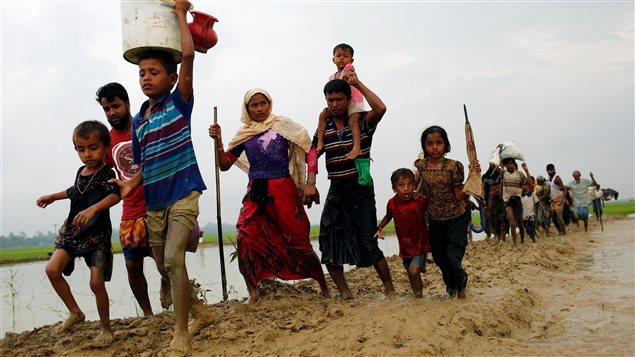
x: 617, y: 208
x: 620, y: 208
x: 26, y: 254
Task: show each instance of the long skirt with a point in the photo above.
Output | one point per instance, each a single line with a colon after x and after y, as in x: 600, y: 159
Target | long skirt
x: 275, y: 242
x: 448, y: 240
x: 348, y: 224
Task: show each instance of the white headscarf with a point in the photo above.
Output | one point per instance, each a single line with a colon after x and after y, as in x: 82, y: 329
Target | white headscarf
x: 298, y: 138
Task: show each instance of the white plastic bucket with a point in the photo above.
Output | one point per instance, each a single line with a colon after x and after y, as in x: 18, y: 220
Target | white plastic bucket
x: 149, y: 25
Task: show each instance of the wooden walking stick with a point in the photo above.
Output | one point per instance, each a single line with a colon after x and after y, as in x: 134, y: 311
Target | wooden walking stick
x: 218, y: 217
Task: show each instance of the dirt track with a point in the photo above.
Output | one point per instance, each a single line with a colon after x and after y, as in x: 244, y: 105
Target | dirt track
x: 550, y: 298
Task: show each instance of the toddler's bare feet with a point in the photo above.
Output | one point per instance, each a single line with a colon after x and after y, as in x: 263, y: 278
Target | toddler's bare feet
x: 319, y: 147
x: 72, y: 319
x: 355, y: 152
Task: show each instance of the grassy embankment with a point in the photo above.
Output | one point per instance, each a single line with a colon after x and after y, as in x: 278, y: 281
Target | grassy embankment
x: 28, y: 254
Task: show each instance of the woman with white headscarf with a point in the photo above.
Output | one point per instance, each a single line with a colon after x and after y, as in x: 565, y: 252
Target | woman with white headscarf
x: 273, y: 228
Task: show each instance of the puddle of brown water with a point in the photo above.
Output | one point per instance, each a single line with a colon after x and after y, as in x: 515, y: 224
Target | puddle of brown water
x: 594, y: 312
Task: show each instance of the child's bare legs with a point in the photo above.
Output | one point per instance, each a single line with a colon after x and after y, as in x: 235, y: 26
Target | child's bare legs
x: 165, y: 294
x: 353, y: 124
x: 414, y: 275
x: 321, y: 129
x: 139, y: 284
x: 54, y: 269
x: 511, y: 219
x: 176, y: 241
x: 521, y: 226
x: 98, y: 288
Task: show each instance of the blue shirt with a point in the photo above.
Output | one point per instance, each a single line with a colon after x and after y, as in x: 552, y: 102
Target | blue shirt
x: 162, y: 143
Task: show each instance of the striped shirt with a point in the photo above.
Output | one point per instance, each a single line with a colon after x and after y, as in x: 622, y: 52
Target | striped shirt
x: 162, y: 143
x: 513, y: 184
x: 338, y: 143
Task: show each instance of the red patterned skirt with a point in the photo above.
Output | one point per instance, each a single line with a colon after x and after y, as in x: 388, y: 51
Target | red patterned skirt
x: 275, y: 242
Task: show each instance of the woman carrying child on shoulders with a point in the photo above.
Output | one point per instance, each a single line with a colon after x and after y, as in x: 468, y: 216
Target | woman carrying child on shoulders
x: 441, y: 179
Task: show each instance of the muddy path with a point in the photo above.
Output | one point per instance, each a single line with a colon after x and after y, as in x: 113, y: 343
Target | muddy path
x: 570, y: 297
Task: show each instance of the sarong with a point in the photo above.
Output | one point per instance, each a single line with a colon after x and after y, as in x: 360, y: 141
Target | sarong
x: 275, y: 243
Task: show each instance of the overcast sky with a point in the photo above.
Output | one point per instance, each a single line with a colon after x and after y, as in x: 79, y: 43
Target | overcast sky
x: 556, y: 77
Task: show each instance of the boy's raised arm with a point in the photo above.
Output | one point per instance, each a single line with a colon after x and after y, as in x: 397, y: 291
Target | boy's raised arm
x: 187, y: 51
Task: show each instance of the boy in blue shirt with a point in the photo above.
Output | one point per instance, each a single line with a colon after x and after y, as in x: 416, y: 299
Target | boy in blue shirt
x: 172, y: 183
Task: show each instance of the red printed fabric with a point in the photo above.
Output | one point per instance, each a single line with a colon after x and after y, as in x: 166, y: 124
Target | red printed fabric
x: 410, y: 225
x: 275, y: 243
x: 120, y: 158
x: 133, y: 233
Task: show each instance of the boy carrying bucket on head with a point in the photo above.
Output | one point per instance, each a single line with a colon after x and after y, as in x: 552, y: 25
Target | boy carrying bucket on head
x: 172, y: 183
x: 410, y: 225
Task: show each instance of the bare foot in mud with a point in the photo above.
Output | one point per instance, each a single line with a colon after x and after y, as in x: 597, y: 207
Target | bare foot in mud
x: 201, y: 317
x: 201, y: 322
x: 105, y: 339
x: 325, y: 291
x: 254, y: 295
x: 461, y: 294
x: 72, y: 319
x: 347, y: 296
x: 180, y: 346
x: 165, y: 294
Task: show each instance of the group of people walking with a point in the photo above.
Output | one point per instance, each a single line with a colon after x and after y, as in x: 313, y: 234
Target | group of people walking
x: 156, y: 174
x: 516, y: 200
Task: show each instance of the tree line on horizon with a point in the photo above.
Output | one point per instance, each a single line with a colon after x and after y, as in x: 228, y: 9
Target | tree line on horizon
x: 42, y: 239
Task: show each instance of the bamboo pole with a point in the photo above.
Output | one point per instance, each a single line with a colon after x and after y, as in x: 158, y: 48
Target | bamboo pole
x: 219, y: 223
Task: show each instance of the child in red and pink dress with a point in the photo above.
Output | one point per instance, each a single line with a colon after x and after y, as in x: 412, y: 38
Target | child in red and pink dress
x: 410, y: 225
x: 343, y: 59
